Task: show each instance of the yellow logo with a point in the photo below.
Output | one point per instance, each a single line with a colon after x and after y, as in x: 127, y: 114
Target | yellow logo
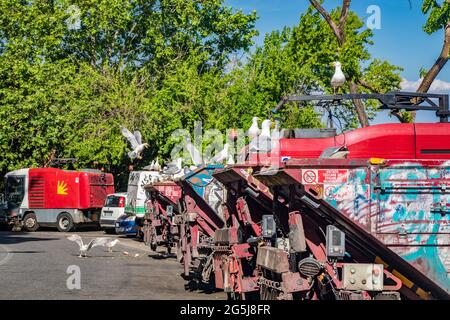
x: 62, y: 188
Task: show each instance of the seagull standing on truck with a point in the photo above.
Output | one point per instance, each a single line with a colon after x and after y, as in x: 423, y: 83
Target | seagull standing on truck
x: 338, y: 78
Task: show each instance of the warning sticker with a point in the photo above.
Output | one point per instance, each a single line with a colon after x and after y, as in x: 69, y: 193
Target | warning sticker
x: 310, y: 176
x: 329, y: 176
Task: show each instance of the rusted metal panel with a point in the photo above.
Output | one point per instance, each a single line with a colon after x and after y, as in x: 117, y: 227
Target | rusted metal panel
x: 296, y: 232
x: 226, y: 236
x: 273, y: 259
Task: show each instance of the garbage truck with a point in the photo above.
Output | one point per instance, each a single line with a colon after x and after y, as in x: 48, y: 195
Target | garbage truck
x: 36, y: 197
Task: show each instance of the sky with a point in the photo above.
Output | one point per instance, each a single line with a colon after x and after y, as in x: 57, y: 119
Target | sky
x: 400, y: 40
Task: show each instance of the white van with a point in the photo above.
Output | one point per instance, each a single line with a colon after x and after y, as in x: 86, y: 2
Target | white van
x: 114, y: 207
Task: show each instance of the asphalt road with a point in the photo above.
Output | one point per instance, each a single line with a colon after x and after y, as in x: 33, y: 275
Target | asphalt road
x: 35, y: 266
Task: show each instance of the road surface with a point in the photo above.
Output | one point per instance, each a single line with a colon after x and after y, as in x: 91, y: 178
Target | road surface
x: 35, y: 266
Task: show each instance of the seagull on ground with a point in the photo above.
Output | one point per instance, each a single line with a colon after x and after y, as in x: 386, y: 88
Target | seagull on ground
x: 84, y: 248
x: 135, y: 139
x: 338, y: 78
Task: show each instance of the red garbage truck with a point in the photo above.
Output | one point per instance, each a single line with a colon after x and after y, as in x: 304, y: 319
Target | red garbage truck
x: 54, y: 197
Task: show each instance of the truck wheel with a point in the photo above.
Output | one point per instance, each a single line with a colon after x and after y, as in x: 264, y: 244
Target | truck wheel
x: 30, y: 222
x: 64, y: 223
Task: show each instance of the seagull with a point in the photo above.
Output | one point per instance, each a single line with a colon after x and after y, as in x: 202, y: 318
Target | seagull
x: 221, y: 156
x: 109, y: 245
x: 338, y: 78
x: 152, y: 165
x: 84, y: 248
x: 157, y: 166
x: 136, y: 143
x: 173, y: 168
x: 196, y: 156
x: 265, y: 128
x: 230, y: 160
x: 275, y: 133
x: 254, y: 131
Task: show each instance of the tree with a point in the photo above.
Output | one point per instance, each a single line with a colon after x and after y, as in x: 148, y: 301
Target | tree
x: 298, y: 60
x: 64, y: 89
x: 438, y: 19
x: 339, y: 31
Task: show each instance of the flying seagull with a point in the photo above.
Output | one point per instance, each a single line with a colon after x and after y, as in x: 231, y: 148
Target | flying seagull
x: 338, y: 78
x: 136, y: 143
x: 84, y: 248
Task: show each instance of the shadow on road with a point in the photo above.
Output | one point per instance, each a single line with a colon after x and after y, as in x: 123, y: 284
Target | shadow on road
x: 15, y: 237
x: 16, y: 252
x: 162, y: 255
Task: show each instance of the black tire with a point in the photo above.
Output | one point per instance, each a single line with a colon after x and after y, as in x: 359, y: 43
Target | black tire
x: 30, y: 223
x: 110, y: 230
x: 64, y: 223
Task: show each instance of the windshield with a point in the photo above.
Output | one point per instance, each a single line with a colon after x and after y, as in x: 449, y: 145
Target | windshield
x: 113, y: 201
x: 15, y: 189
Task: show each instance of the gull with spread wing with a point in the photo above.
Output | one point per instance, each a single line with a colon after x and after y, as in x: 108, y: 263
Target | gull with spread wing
x: 84, y: 248
x: 135, y: 139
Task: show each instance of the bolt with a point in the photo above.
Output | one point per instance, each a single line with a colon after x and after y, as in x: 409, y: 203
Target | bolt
x: 352, y: 281
x: 352, y: 270
x: 364, y: 281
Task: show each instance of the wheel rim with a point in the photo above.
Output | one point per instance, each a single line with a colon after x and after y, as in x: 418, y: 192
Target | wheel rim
x: 30, y: 222
x: 64, y: 223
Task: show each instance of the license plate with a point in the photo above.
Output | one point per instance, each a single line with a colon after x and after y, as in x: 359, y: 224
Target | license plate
x: 107, y: 213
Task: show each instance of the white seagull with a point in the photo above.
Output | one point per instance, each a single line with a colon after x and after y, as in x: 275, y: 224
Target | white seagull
x: 338, y: 78
x: 136, y: 142
x: 264, y: 139
x: 221, y: 156
x: 84, y: 248
x: 196, y: 156
x: 254, y: 131
x: 157, y: 166
x: 265, y: 128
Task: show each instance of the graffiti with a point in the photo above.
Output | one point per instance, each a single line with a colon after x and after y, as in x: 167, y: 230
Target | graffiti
x: 406, y: 206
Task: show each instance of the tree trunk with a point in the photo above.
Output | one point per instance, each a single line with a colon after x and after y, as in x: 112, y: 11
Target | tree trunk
x: 359, y: 106
x: 437, y: 67
x: 339, y: 32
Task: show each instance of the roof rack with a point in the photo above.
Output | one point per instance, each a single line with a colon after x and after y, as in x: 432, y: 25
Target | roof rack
x: 394, y: 101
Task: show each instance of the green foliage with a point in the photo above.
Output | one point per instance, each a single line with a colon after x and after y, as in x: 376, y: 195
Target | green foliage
x: 438, y: 15
x: 157, y: 66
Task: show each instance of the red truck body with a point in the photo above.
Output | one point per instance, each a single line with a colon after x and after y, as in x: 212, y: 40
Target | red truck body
x: 55, y: 188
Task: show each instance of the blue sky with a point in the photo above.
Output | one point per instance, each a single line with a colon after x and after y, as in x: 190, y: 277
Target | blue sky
x: 401, y: 39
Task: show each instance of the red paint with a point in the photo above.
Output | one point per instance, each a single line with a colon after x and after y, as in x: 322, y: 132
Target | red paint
x: 388, y: 141
x: 77, y: 189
